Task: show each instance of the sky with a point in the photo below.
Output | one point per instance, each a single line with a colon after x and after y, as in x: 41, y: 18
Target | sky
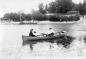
x: 7, y: 6
x: 78, y: 1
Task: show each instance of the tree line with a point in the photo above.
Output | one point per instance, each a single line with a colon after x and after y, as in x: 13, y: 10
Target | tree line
x: 56, y: 7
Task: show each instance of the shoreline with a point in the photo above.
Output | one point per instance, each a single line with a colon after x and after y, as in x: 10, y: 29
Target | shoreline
x: 39, y: 22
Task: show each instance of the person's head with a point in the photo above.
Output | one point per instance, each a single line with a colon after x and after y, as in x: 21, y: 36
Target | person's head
x: 50, y: 28
x: 31, y: 29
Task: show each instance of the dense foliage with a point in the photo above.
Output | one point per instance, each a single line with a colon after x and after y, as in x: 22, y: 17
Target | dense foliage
x: 56, y: 7
x: 60, y: 6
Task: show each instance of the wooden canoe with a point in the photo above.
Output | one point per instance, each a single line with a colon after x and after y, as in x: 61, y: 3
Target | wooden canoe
x: 42, y: 38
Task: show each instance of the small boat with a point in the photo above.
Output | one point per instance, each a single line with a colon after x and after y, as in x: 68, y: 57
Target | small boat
x: 33, y: 40
x: 39, y: 38
x: 28, y: 22
x: 44, y: 38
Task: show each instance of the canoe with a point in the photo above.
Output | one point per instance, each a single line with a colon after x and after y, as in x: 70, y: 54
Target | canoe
x: 27, y: 38
x: 27, y: 23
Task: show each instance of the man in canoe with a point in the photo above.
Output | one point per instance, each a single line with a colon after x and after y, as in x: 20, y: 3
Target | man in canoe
x: 51, y: 32
x: 63, y: 33
x: 31, y: 33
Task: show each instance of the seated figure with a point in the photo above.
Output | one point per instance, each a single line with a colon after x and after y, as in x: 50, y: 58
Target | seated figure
x: 50, y: 32
x: 31, y: 33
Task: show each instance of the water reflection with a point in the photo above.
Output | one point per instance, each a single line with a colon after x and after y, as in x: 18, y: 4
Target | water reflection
x: 63, y: 40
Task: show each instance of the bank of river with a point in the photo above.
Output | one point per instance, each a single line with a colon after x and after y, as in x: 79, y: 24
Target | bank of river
x: 38, y: 22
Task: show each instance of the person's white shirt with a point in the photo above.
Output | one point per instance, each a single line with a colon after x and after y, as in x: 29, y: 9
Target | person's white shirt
x: 50, y: 31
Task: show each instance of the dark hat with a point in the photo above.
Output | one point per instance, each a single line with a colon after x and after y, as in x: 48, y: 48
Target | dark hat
x: 31, y: 29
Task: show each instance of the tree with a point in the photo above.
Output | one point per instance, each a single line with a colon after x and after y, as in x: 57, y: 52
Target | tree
x: 38, y: 16
x: 11, y: 16
x: 52, y: 7
x: 82, y: 8
x: 61, y: 6
x: 26, y: 17
x: 41, y: 8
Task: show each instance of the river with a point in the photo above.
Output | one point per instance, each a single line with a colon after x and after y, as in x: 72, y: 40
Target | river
x: 11, y: 42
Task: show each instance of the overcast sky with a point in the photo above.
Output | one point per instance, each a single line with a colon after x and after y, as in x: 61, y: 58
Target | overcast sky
x: 21, y: 5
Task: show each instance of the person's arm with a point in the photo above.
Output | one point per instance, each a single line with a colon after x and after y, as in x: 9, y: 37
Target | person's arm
x: 52, y: 31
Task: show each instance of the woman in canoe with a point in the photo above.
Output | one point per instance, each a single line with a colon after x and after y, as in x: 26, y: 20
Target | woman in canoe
x: 31, y: 33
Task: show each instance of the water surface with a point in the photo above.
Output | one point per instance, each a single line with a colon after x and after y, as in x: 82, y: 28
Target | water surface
x: 11, y: 42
